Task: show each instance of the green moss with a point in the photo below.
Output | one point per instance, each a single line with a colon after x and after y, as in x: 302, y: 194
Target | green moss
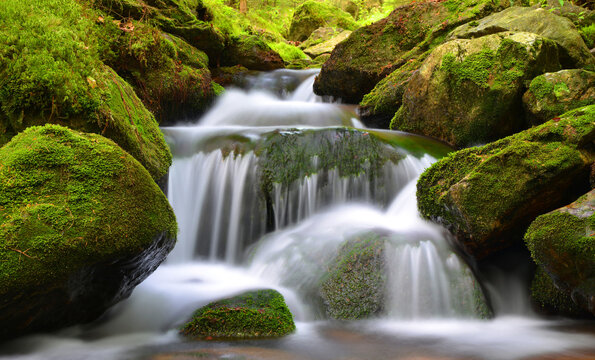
x: 540, y: 87
x: 312, y: 15
x: 588, y: 35
x: 354, y: 286
x: 254, y: 314
x: 475, y: 67
x: 69, y: 200
x: 288, y: 52
x: 550, y: 299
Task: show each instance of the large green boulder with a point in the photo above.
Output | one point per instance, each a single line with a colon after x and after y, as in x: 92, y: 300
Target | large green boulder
x: 552, y: 94
x: 374, y: 51
x: 469, y: 91
x: 312, y: 15
x: 563, y: 243
x: 188, y: 19
x: 251, y: 52
x: 355, y: 284
x: 81, y: 224
x: 487, y: 196
x: 170, y: 76
x: 549, y: 299
x: 253, y: 314
x: 573, y: 51
x: 51, y: 72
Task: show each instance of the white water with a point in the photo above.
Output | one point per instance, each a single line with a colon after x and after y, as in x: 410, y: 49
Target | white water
x: 423, y: 317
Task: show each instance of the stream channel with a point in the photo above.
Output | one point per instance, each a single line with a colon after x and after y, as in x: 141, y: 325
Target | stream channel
x: 233, y: 238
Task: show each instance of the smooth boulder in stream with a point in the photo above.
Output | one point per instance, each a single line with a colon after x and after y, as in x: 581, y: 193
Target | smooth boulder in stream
x: 81, y: 224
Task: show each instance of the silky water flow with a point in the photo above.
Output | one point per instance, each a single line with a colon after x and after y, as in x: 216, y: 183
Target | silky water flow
x: 229, y: 241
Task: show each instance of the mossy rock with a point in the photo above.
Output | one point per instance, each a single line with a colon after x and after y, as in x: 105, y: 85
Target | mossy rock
x: 469, y: 92
x: 326, y: 47
x: 81, y: 222
x: 187, y: 19
x: 355, y: 284
x: 320, y: 35
x: 51, y: 72
x: 379, y: 106
x: 253, y: 314
x: 573, y: 51
x: 169, y: 75
x: 487, y: 196
x: 251, y: 52
x: 372, y: 52
x: 312, y: 15
x: 552, y: 94
x: 548, y: 299
x: 563, y: 243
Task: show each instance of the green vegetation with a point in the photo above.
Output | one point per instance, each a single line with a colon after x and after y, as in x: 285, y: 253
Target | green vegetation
x: 550, y: 299
x: 354, y: 286
x: 71, y: 200
x: 254, y: 314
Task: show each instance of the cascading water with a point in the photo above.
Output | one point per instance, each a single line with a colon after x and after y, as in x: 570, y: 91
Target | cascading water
x: 239, y: 232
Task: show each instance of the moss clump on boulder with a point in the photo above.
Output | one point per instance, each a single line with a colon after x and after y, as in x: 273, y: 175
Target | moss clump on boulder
x: 372, y: 52
x: 548, y: 299
x: 254, y: 314
x: 312, y: 15
x: 51, y: 72
x: 251, y: 52
x: 469, y: 91
x: 573, y: 51
x: 487, y: 196
x: 81, y: 223
x: 355, y: 284
x: 552, y: 94
x: 562, y: 242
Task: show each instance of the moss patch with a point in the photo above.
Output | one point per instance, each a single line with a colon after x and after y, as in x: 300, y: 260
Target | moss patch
x: 255, y: 314
x: 312, y: 15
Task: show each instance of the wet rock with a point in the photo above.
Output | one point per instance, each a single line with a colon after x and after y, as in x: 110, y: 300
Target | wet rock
x: 469, y: 92
x: 252, y: 53
x: 562, y: 243
x: 254, y: 314
x: 312, y: 15
x: 573, y: 51
x: 374, y: 51
x: 81, y: 222
x: 552, y: 94
x: 487, y: 196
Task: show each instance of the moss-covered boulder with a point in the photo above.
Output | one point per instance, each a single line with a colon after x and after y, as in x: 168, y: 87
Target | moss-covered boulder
x: 312, y: 15
x: 355, y: 284
x: 170, y: 76
x: 563, y: 243
x: 548, y: 299
x: 251, y: 52
x: 188, y: 19
x: 487, y: 196
x: 374, y: 51
x: 469, y: 91
x: 552, y: 94
x: 320, y: 35
x: 81, y: 224
x: 573, y: 51
x: 326, y: 47
x: 254, y: 314
x: 51, y: 72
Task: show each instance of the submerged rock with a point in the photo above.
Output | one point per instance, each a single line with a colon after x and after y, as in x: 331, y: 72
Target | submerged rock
x: 573, y: 51
x: 469, y: 91
x: 312, y: 15
x: 562, y: 242
x: 81, y: 222
x: 254, y: 314
x: 487, y: 196
x: 374, y: 51
x: 552, y: 94
x: 355, y: 284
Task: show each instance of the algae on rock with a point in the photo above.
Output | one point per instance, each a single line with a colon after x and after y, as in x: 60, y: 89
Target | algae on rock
x: 312, y: 15
x: 253, y: 314
x: 487, y: 196
x: 82, y: 223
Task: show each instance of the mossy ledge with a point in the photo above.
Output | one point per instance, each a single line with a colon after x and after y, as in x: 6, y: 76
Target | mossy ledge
x: 75, y: 211
x: 253, y: 314
x: 487, y: 196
